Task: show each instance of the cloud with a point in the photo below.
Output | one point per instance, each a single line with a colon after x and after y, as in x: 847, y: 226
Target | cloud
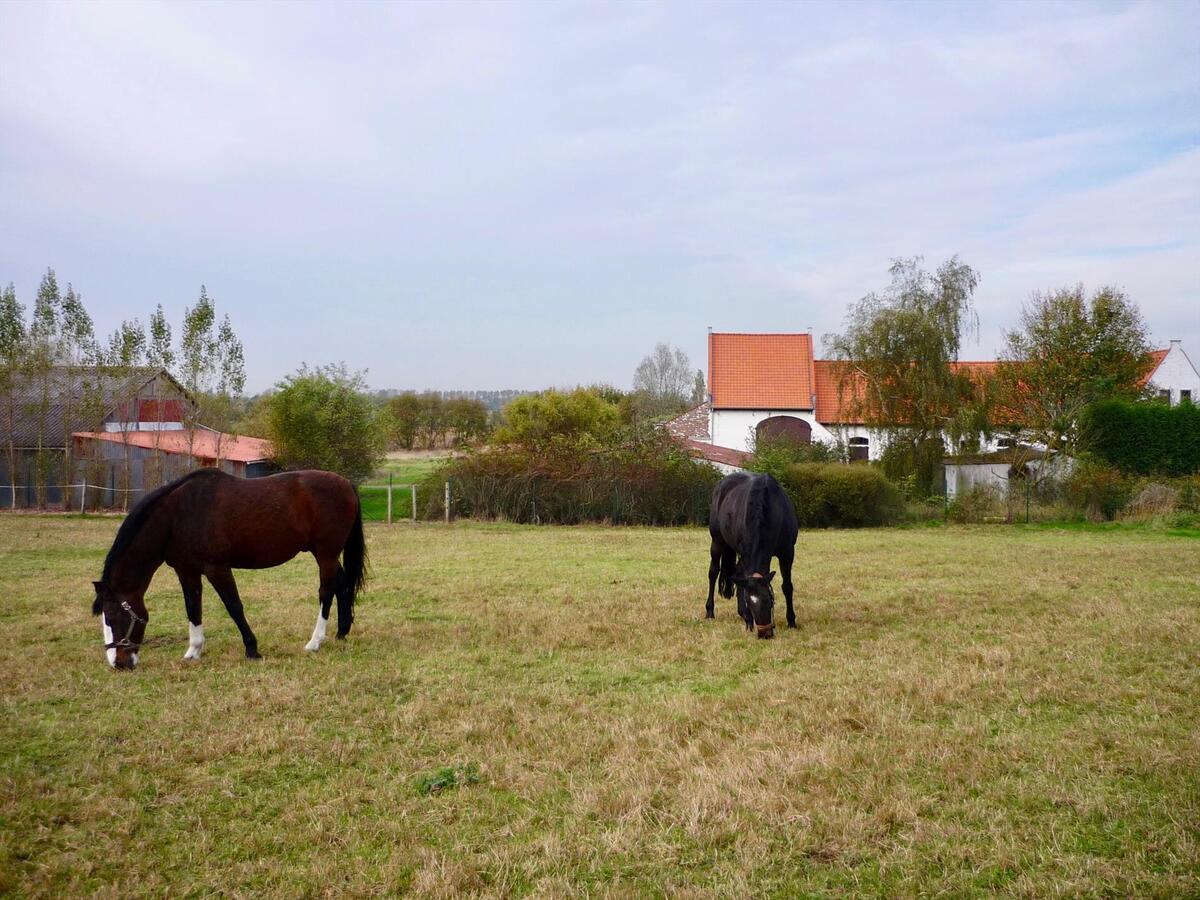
x: 588, y: 180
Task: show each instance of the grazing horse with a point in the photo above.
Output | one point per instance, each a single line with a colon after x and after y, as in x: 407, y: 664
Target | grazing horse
x: 751, y: 520
x: 209, y: 523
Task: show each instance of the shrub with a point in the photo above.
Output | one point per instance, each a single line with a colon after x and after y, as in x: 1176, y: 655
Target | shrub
x: 978, y: 503
x: 775, y: 455
x: 1149, y: 438
x: 833, y: 495
x: 1097, y: 490
x: 647, y: 482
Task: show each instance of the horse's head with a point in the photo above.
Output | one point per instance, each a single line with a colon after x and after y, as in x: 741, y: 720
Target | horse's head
x: 760, y: 601
x: 123, y: 620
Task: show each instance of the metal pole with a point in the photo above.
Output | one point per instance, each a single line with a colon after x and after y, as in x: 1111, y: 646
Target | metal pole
x: 413, y: 487
x: 1028, y: 490
x: 447, y: 504
x: 389, y: 498
x: 82, y: 496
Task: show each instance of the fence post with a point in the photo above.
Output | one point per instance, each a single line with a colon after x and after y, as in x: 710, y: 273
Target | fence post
x: 389, y: 498
x: 447, y: 503
x: 413, y: 488
x: 82, y: 497
x: 1028, y: 491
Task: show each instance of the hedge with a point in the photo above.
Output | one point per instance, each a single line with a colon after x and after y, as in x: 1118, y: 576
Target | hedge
x: 843, y: 496
x: 635, y: 485
x: 1149, y: 438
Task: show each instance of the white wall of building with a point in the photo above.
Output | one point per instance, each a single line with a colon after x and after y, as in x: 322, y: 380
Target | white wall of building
x: 1175, y: 374
x: 735, y: 427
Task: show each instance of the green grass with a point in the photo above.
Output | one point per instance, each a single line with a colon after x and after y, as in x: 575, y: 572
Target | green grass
x: 963, y: 710
x: 403, y: 471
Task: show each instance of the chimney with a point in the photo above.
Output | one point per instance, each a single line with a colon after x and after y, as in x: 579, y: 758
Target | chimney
x: 1175, y: 344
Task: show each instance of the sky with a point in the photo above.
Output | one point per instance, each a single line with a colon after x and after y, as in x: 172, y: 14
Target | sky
x: 519, y: 195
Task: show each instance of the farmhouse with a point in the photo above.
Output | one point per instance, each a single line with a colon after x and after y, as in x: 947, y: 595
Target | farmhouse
x: 129, y: 429
x: 771, y: 385
x: 1173, y: 377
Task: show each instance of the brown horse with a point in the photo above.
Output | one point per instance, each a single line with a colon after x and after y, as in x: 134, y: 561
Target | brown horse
x: 209, y: 523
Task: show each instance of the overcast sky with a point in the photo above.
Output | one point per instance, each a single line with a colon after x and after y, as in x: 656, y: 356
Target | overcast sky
x: 518, y: 195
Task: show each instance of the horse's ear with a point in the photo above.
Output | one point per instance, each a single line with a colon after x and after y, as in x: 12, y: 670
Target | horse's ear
x: 741, y: 580
x: 770, y: 575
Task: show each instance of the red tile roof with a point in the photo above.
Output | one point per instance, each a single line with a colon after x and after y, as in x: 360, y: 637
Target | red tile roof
x: 692, y: 424
x: 832, y: 408
x: 1156, y: 358
x: 713, y: 453
x: 204, y: 443
x: 760, y: 371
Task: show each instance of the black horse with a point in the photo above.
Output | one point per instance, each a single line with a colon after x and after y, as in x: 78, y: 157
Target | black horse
x: 209, y: 523
x: 751, y: 520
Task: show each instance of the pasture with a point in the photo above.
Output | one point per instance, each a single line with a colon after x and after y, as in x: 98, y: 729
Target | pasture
x: 525, y: 710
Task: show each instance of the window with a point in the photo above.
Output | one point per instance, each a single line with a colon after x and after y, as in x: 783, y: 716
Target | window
x: 1185, y: 396
x: 1005, y: 443
x: 859, y: 449
x: 1165, y: 394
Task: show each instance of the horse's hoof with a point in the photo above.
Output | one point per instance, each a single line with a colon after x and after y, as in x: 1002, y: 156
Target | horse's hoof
x: 340, y: 637
x: 253, y: 654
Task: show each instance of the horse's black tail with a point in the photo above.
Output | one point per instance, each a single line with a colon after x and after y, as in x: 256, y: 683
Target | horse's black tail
x: 352, y: 575
x: 725, y: 579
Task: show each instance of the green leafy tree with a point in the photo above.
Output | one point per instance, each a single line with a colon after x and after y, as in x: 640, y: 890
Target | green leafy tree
x: 212, y: 367
x: 577, y: 417
x: 43, y: 352
x: 467, y: 418
x: 12, y: 350
x: 323, y: 419
x: 404, y: 420
x: 699, y: 388
x: 1069, y: 351
x: 899, y: 351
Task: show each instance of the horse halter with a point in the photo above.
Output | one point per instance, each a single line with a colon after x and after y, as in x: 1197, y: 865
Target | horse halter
x: 770, y: 626
x: 134, y: 618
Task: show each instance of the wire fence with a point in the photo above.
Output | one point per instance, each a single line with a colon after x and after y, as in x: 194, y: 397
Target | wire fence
x: 380, y: 502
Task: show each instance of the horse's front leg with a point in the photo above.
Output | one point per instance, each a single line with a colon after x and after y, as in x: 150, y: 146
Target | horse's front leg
x: 714, y: 570
x: 193, y: 588
x: 329, y: 571
x: 222, y: 580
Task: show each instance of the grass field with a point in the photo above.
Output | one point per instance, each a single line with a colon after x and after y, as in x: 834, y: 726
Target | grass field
x: 524, y: 710
x: 404, y: 469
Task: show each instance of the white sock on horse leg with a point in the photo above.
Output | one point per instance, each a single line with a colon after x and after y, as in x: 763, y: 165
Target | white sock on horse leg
x: 318, y: 634
x: 195, y: 641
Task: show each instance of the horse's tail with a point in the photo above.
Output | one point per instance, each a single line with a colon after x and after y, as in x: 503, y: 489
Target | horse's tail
x: 725, y: 579
x: 353, y: 573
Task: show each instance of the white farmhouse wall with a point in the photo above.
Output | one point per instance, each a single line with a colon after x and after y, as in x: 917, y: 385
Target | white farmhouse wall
x: 735, y: 427
x: 1176, y: 373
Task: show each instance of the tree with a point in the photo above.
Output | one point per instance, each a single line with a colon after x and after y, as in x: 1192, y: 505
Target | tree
x: 12, y: 349
x: 322, y: 419
x: 542, y: 421
x: 404, y: 420
x: 1069, y: 351
x: 467, y: 418
x: 699, y: 388
x: 899, y: 351
x: 663, y: 381
x: 212, y: 367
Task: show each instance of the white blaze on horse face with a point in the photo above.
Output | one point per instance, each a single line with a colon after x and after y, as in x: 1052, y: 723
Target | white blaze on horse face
x: 110, y: 652
x: 318, y: 634
x: 195, y: 641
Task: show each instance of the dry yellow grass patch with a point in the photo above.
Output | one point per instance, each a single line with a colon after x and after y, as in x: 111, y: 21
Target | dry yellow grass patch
x: 961, y: 710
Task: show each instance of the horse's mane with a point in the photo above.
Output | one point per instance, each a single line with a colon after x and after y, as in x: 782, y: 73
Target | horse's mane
x: 756, y: 514
x: 139, y: 516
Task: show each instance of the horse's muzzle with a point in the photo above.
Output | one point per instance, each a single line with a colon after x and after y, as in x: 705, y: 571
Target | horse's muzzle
x: 765, y: 631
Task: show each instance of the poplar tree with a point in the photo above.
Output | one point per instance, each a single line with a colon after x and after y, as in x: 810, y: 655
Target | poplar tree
x: 12, y: 350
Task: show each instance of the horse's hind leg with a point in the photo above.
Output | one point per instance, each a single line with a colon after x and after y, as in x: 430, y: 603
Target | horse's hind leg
x: 222, y: 580
x: 329, y: 576
x: 345, y: 597
x: 193, y: 589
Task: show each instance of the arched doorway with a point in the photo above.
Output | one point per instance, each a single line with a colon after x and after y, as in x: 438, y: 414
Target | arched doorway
x: 784, y: 428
